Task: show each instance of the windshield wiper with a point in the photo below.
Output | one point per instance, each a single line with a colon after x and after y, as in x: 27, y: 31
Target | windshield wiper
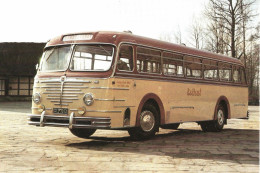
x: 50, y: 54
x: 105, y: 50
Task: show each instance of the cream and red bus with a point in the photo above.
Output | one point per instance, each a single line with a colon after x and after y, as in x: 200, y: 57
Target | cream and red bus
x: 117, y: 80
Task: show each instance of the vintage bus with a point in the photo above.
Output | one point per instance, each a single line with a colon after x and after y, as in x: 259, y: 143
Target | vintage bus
x: 117, y: 80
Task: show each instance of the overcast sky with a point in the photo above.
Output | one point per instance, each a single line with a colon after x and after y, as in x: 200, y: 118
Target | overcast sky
x: 38, y: 21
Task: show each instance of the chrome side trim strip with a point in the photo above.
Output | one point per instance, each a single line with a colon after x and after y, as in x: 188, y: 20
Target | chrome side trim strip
x: 109, y: 100
x: 239, y: 104
x: 102, y: 111
x: 182, y: 107
x: 123, y: 106
x: 109, y: 88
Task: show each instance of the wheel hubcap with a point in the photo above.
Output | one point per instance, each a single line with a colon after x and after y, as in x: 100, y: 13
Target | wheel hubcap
x: 220, y: 117
x: 147, y: 121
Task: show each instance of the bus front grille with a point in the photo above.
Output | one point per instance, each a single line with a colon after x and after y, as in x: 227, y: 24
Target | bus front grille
x: 62, y: 93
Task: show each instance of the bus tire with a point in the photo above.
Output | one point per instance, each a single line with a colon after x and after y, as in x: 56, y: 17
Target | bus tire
x: 149, y: 123
x: 170, y: 126
x: 83, y: 133
x: 215, y: 125
x: 218, y: 124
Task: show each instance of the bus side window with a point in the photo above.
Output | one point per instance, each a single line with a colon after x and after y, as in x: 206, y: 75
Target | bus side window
x: 236, y: 74
x: 243, y: 78
x: 225, y: 72
x: 148, y: 60
x: 210, y: 69
x: 172, y: 64
x: 125, y: 61
x: 193, y: 67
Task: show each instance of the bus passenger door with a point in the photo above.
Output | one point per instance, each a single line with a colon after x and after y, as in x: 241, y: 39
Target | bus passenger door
x: 125, y: 85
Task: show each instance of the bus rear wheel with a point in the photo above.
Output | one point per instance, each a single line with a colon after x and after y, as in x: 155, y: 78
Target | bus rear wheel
x: 83, y: 133
x: 149, y: 123
x: 215, y: 125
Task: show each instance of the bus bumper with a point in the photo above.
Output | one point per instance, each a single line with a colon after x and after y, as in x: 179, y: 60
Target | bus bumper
x: 247, y: 116
x: 69, y: 121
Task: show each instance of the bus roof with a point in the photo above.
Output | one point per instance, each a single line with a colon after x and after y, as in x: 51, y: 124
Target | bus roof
x: 116, y: 38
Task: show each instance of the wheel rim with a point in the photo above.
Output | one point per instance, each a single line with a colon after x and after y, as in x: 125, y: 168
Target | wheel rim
x: 220, y: 117
x: 147, y: 121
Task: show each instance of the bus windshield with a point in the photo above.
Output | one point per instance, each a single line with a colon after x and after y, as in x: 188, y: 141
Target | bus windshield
x: 81, y: 58
x: 56, y: 59
x: 92, y: 58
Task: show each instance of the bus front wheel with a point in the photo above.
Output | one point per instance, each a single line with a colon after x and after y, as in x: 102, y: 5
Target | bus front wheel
x: 83, y: 133
x: 149, y: 123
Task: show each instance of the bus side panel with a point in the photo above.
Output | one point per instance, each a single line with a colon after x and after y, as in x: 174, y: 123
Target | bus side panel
x: 193, y: 102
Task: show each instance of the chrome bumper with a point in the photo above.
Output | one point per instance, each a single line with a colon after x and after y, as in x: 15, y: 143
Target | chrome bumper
x: 69, y: 121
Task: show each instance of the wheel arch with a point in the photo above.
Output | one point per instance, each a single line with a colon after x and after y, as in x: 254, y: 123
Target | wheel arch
x: 223, y: 101
x: 154, y: 100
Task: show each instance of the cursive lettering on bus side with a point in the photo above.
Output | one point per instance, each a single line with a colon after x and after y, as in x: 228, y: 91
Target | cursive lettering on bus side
x: 193, y: 92
x: 123, y: 84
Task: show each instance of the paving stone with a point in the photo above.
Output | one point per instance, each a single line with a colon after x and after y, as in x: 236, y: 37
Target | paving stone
x: 25, y: 148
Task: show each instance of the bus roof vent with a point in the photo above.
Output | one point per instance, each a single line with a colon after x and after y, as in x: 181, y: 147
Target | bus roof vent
x: 128, y: 31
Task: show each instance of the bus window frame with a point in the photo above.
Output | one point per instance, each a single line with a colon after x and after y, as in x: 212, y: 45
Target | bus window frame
x: 153, y: 49
x: 117, y: 58
x: 203, y: 68
x: 185, y: 69
x: 183, y: 78
x: 94, y: 71
x: 173, y: 59
x: 231, y: 74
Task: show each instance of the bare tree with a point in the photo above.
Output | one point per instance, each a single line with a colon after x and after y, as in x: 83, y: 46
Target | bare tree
x: 227, y: 16
x: 197, y: 34
x: 178, y: 36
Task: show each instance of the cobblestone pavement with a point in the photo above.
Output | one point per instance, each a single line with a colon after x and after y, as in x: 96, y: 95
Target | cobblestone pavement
x: 27, y: 148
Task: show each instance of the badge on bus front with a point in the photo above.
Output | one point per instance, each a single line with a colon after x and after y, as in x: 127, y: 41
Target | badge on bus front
x: 60, y: 110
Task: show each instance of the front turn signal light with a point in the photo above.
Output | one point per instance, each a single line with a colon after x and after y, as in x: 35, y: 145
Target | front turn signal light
x: 81, y: 110
x: 41, y: 108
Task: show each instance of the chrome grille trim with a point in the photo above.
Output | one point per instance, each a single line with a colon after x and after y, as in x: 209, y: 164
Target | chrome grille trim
x: 83, y: 87
x: 67, y: 81
x: 62, y: 104
x: 44, y: 109
x: 62, y: 101
x: 58, y: 98
x: 63, y: 92
x: 62, y: 95
x: 63, y: 89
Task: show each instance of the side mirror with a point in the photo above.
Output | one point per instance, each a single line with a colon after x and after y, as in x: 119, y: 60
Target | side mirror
x: 37, y: 66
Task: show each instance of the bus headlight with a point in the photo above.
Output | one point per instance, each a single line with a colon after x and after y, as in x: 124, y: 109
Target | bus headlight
x: 88, y: 99
x: 36, y: 98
